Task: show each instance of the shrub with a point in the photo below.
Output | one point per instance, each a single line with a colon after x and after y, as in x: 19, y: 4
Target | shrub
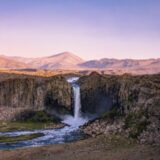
x: 36, y: 116
x: 111, y: 114
x: 137, y: 123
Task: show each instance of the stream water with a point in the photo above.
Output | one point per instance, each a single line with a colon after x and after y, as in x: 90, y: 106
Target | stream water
x: 54, y: 136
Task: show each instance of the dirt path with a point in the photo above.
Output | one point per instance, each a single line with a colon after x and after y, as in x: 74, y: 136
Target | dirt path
x: 90, y: 149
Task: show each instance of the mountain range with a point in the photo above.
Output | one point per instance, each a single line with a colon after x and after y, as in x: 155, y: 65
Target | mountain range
x: 67, y: 60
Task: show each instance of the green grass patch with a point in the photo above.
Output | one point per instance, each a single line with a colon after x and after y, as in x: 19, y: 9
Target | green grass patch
x: 12, y: 126
x: 13, y: 139
x: 36, y: 116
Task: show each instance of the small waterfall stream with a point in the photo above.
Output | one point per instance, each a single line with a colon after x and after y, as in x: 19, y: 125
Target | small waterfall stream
x: 54, y: 136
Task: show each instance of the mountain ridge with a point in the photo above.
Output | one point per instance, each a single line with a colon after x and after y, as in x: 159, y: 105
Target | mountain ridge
x: 68, y: 60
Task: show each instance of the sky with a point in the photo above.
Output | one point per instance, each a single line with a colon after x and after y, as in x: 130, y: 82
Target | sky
x: 92, y: 29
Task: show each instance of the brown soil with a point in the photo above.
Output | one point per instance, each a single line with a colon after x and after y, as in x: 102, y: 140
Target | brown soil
x: 91, y: 149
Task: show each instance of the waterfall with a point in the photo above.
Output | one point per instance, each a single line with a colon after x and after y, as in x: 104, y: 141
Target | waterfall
x: 76, y: 120
x: 54, y: 136
x: 77, y: 101
x: 76, y: 96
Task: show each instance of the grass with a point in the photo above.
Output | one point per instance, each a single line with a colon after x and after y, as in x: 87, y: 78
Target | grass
x: 36, y: 116
x: 11, y: 126
x: 13, y: 139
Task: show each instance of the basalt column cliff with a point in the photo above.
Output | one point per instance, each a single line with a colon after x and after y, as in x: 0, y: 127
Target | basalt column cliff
x: 126, y: 104
x: 34, y: 93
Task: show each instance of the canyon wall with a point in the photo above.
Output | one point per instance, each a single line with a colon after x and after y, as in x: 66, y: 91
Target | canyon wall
x: 34, y: 93
x: 128, y: 104
x: 126, y: 93
x: 125, y: 104
x: 98, y: 93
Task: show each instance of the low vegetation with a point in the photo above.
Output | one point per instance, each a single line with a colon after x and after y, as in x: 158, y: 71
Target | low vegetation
x: 20, y: 126
x: 136, y: 123
x: 36, y: 116
x: 13, y: 139
x: 111, y: 114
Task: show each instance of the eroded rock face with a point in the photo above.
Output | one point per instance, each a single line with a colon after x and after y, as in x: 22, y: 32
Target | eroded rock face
x: 51, y: 94
x: 98, y: 93
x: 136, y: 99
x: 128, y: 93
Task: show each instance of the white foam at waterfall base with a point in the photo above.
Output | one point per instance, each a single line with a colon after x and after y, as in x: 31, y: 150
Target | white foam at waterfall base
x: 74, y: 122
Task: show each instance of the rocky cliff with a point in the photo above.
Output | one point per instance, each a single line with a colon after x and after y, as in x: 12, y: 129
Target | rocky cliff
x: 128, y: 104
x: 98, y: 93
x: 35, y: 93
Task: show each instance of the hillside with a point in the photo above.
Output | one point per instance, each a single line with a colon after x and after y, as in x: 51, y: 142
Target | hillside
x: 116, y: 63
x: 6, y: 62
x: 70, y: 61
x: 61, y: 60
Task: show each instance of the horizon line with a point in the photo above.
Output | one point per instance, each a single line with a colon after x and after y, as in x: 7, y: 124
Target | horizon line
x: 49, y: 55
